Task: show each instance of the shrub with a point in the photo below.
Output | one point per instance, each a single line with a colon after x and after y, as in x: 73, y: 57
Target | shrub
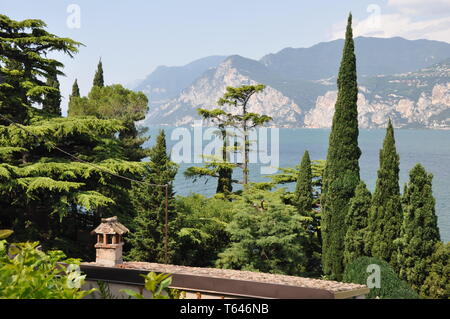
x: 437, y: 283
x: 28, y: 273
x: 202, y: 235
x: 391, y: 287
x: 266, y: 235
x: 158, y: 285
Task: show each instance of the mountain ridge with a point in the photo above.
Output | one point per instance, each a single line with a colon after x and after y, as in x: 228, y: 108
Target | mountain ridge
x: 299, y: 97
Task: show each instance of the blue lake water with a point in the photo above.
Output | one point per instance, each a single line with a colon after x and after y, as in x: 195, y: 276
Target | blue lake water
x: 431, y: 148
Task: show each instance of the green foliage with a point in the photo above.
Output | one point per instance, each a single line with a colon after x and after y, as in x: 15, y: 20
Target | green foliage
x: 356, y: 223
x: 266, y: 235
x: 5, y: 233
x: 158, y: 285
x: 290, y: 175
x: 244, y: 120
x: 52, y: 100
x: 203, y: 234
x: 341, y: 174
x: 24, y: 63
x: 110, y: 102
x: 419, y: 231
x: 391, y: 287
x: 437, y: 283
x: 385, y: 216
x: 104, y: 291
x: 28, y: 273
x: 303, y: 196
x: 98, y: 78
x: 221, y: 168
x: 75, y: 89
x: 303, y: 200
x: 147, y: 235
x: 48, y: 197
x: 116, y: 102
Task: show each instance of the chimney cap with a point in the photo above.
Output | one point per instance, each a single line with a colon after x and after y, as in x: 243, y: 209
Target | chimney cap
x: 110, y: 226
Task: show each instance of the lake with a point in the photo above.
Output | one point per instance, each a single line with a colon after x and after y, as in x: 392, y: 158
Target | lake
x: 431, y: 148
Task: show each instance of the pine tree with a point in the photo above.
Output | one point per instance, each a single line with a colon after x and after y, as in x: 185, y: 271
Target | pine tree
x: 303, y: 196
x: 98, y: 78
x: 267, y: 235
x: 356, y: 223
x: 52, y: 100
x: 147, y: 238
x: 46, y: 195
x: 245, y: 120
x: 341, y: 174
x: 219, y: 168
x: 385, y: 216
x: 24, y: 62
x: 419, y: 230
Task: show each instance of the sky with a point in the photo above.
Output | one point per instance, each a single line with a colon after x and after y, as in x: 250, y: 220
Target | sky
x: 134, y: 37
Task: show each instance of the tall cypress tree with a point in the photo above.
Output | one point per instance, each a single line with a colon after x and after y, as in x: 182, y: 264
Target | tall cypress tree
x: 303, y: 199
x: 147, y: 238
x: 98, y: 78
x: 356, y: 223
x: 419, y: 231
x: 385, y: 216
x: 52, y: 100
x: 341, y: 174
x: 75, y: 89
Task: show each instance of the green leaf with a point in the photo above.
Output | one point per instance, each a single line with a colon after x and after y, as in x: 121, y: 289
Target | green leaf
x: 132, y: 293
x: 5, y: 233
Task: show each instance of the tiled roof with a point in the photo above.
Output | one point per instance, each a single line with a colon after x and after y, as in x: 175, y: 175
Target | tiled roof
x: 110, y: 226
x: 329, y: 285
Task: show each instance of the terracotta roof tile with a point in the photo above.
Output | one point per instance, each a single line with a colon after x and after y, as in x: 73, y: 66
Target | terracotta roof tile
x: 333, y: 286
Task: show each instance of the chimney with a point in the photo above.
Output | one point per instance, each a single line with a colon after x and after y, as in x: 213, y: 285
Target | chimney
x: 109, y: 242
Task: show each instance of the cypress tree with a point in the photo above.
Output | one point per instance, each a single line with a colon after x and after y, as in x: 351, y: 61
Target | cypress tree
x: 75, y: 89
x: 385, y: 216
x: 303, y: 200
x: 341, y: 174
x: 98, y: 78
x: 303, y: 190
x: 147, y: 238
x: 419, y: 231
x: 356, y: 223
x: 52, y: 100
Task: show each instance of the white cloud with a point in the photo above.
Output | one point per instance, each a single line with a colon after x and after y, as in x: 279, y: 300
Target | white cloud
x: 400, y: 24
x: 421, y: 7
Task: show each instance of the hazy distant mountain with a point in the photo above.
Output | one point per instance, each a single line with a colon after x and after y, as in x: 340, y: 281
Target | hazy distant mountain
x: 374, y: 56
x: 166, y: 82
x: 398, y: 78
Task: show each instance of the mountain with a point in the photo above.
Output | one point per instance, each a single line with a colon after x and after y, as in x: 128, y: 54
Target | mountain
x: 167, y: 82
x: 206, y: 90
x: 405, y: 80
x: 374, y: 56
x: 419, y: 99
